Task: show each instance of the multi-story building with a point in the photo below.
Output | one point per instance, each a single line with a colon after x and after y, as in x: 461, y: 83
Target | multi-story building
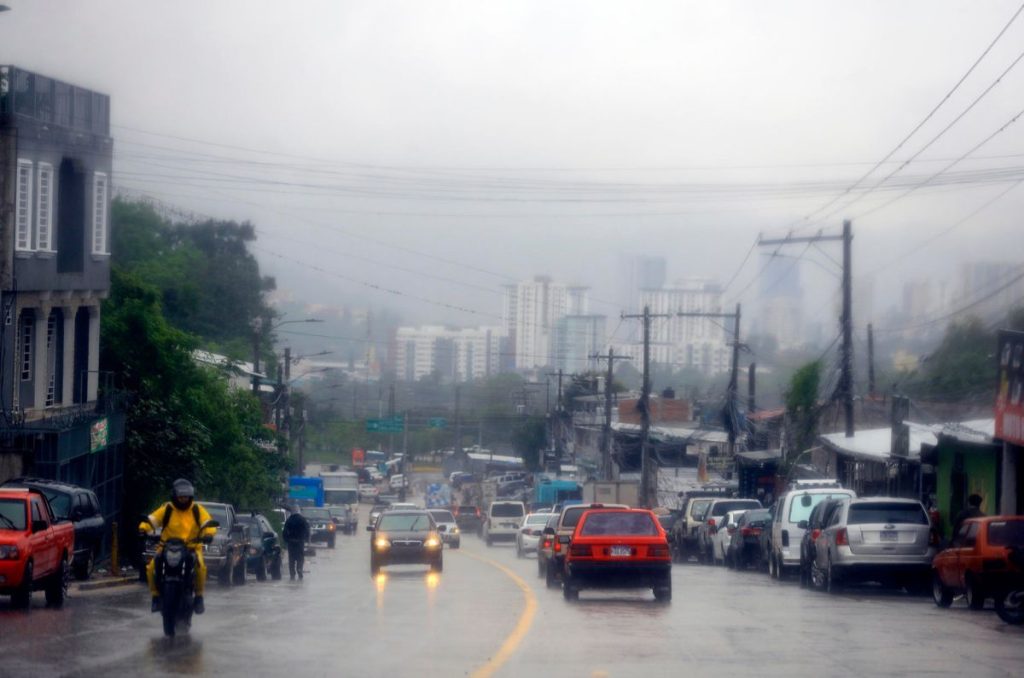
x: 55, y: 166
x: 686, y: 342
x: 780, y: 303
x: 455, y: 354
x: 990, y: 288
x: 577, y: 339
x: 532, y: 310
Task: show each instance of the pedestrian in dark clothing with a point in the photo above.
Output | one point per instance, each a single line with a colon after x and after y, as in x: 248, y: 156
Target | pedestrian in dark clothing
x: 296, y: 534
x: 973, y: 510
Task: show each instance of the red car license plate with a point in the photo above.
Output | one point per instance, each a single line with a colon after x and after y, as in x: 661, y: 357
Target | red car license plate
x: 621, y: 551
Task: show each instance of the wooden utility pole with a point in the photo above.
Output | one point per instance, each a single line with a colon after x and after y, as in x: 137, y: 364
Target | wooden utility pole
x: 752, y: 388
x: 845, y: 388
x: 606, y: 431
x: 648, y: 476
x: 871, y: 360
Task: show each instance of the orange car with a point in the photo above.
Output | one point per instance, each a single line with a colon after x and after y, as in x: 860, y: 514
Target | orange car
x: 977, y: 562
x: 617, y: 548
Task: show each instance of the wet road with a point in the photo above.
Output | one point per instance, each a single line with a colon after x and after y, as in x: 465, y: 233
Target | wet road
x: 489, y: 614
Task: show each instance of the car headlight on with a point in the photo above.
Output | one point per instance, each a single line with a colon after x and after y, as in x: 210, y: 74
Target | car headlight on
x: 381, y: 543
x: 253, y: 551
x: 432, y: 542
x: 454, y: 530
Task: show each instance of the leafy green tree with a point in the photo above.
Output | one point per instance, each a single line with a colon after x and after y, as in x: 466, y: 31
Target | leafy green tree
x: 802, y: 409
x: 529, y: 438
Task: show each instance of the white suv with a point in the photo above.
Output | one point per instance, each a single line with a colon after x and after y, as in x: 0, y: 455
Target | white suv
x: 502, y: 521
x: 790, y: 510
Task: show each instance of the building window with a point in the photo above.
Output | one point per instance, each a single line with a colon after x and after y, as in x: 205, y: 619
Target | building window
x: 44, y: 207
x: 23, y: 207
x: 25, y: 355
x: 99, y: 213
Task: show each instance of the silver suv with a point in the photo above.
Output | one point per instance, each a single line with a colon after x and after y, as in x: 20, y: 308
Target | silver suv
x: 792, y: 509
x: 882, y: 539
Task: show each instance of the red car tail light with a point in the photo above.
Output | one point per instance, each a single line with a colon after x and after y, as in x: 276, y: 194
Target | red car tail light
x: 659, y: 551
x: 547, y: 544
x: 751, y: 531
x: 580, y: 551
x: 842, y: 539
x: 558, y: 547
x: 711, y: 522
x: 814, y: 534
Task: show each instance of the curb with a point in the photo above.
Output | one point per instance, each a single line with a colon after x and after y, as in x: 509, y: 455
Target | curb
x: 107, y: 583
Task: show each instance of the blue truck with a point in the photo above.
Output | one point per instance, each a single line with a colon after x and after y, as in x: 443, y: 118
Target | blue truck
x: 548, y: 492
x: 306, y: 491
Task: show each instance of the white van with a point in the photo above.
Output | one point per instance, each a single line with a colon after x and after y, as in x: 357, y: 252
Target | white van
x: 789, y: 511
x: 502, y: 521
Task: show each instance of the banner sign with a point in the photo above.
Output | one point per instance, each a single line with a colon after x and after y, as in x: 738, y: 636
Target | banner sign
x: 1010, y: 397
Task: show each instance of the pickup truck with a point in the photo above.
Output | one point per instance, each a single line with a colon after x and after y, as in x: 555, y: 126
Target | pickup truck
x: 226, y: 556
x: 35, y: 549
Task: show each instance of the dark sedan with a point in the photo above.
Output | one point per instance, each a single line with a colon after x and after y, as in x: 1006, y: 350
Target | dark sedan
x: 321, y: 525
x: 745, y: 547
x: 405, y: 537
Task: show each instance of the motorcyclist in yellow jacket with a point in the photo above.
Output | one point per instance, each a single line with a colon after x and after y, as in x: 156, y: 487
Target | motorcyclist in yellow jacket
x: 181, y: 517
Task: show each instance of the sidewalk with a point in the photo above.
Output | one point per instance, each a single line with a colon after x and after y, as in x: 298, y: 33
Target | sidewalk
x: 102, y: 579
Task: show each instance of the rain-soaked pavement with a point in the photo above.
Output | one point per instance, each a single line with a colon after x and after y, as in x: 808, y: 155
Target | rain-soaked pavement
x: 489, y: 614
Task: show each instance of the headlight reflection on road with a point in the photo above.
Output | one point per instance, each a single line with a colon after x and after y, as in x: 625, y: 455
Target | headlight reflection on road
x: 433, y: 580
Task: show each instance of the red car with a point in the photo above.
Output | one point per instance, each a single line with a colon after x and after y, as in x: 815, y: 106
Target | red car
x: 35, y: 550
x: 617, y: 548
x: 977, y: 562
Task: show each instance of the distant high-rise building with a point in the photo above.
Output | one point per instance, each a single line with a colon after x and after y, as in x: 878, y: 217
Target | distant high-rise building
x: 531, y: 310
x: 455, y: 354
x: 649, y: 272
x: 917, y: 300
x: 989, y: 288
x: 780, y: 302
x: 577, y: 338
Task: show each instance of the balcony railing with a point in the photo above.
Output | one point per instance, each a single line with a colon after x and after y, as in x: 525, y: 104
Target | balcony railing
x: 26, y: 94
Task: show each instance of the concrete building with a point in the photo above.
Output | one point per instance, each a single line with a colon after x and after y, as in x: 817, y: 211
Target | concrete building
x: 577, y: 338
x: 990, y: 287
x: 55, y: 166
x: 780, y: 302
x: 532, y: 310
x: 455, y: 354
x: 697, y: 343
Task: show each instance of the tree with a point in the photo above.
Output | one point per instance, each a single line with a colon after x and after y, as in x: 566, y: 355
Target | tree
x: 529, y: 438
x: 802, y: 409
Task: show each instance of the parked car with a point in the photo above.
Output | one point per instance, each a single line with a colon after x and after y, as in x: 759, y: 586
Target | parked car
x: 225, y: 556
x: 714, y: 520
x: 405, y: 537
x: 264, y: 552
x: 684, y: 538
x: 568, y: 518
x: 82, y: 508
x: 820, y: 515
x: 978, y: 562
x: 617, y: 548
x: 447, y: 527
x: 379, y: 506
x: 790, y: 509
x: 501, y: 522
x: 882, y: 539
x: 723, y: 536
x: 668, y: 521
x: 530, y: 531
x: 744, y: 547
x: 35, y: 549
x: 321, y: 525
x: 468, y: 517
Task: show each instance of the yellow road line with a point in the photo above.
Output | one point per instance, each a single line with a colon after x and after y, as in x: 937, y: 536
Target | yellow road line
x: 513, y: 639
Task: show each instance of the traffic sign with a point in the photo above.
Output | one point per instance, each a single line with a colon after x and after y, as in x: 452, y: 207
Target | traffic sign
x: 389, y: 425
x: 437, y: 422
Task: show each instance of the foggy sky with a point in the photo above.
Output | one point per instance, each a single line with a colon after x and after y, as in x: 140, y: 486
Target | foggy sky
x: 538, y: 137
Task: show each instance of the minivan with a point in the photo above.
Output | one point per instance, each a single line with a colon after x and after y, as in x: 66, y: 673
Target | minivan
x: 502, y: 521
x: 791, y: 509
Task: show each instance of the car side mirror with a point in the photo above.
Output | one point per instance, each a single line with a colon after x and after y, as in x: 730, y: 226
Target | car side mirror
x: 39, y: 525
x: 802, y: 524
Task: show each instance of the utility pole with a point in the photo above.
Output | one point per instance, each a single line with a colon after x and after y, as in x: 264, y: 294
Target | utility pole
x: 391, y: 416
x: 752, y: 387
x: 457, y: 443
x: 606, y: 432
x: 871, y: 360
x: 648, y: 477
x: 256, y: 361
x: 845, y: 388
x: 733, y: 383
x: 556, y: 430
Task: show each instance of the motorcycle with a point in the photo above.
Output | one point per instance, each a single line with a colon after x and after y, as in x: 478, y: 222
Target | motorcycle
x: 1010, y: 601
x: 175, y: 577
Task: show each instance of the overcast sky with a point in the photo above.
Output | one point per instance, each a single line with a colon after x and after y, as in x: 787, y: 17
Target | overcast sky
x: 474, y: 143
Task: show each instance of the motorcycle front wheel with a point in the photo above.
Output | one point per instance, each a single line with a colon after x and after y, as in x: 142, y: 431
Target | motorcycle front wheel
x: 171, y: 601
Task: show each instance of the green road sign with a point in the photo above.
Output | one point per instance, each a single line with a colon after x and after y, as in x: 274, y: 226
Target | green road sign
x: 390, y: 425
x: 437, y: 422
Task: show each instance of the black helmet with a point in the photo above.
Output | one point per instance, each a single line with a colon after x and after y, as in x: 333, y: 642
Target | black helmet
x: 182, y: 489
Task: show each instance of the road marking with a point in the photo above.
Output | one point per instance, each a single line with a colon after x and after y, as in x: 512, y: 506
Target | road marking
x: 513, y: 639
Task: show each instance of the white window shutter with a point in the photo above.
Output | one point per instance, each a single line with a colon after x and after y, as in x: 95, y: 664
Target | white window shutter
x: 44, y: 207
x: 23, y: 207
x: 99, y: 213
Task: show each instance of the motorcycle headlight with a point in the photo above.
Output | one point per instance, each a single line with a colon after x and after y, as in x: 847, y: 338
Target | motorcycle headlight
x: 173, y: 557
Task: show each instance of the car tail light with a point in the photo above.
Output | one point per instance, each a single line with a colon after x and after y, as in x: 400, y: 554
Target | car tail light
x: 478, y: 513
x: 730, y: 530
x: 659, y: 551
x: 814, y: 534
x: 711, y: 522
x: 580, y: 551
x: 330, y: 527
x: 842, y: 539
x: 750, y: 531
x: 547, y: 544
x: 558, y: 547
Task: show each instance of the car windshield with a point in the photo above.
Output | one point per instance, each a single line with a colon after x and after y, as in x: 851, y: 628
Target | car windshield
x: 318, y: 513
x: 887, y: 513
x: 632, y: 523
x: 1006, y: 533
x: 799, y: 511
x: 756, y: 516
x: 442, y: 516
x: 507, y: 510
x: 12, y: 514
x: 699, y: 508
x: 537, y: 518
x: 218, y: 513
x: 404, y: 522
x: 60, y: 502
